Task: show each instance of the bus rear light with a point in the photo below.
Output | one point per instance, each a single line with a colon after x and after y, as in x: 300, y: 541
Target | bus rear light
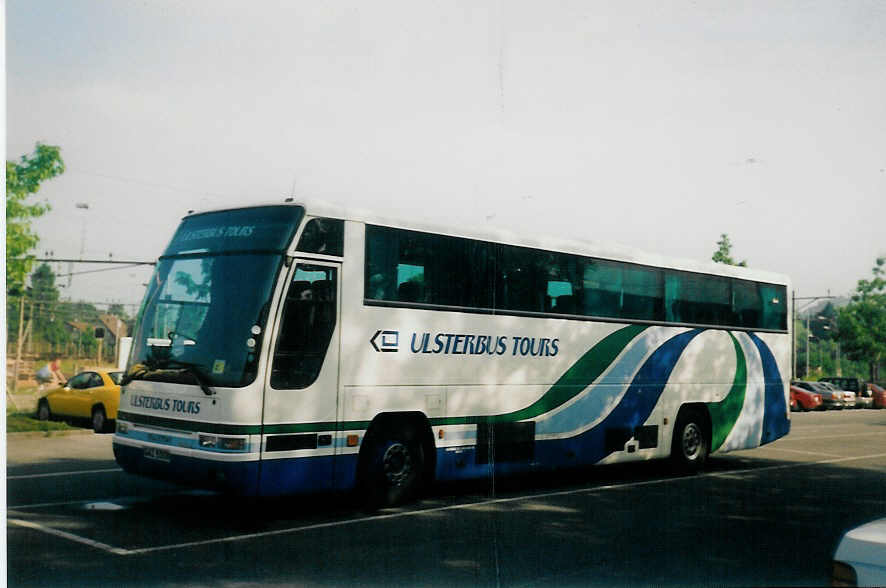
x: 441, y: 434
x: 353, y: 440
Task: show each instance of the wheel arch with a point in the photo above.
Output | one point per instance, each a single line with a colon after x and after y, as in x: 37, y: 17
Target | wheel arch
x: 698, y: 408
x: 415, y: 421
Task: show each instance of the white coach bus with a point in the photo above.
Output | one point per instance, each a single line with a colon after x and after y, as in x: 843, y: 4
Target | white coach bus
x: 295, y: 348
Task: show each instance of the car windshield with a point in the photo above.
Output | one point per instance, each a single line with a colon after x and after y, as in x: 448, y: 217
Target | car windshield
x: 206, y: 307
x: 115, y: 377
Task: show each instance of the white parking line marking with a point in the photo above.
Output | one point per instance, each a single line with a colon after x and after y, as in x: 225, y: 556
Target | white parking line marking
x: 831, y: 436
x: 68, y: 536
x: 130, y: 499
x: 230, y: 539
x: 803, y: 452
x: 54, y: 474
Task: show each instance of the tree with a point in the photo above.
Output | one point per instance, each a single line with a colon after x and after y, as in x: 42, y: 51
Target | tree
x: 117, y: 309
x: 823, y: 322
x: 49, y: 325
x: 723, y: 254
x: 23, y: 179
x: 862, y: 323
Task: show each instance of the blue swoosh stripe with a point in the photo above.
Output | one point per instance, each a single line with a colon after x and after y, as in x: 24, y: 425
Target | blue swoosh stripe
x: 635, y: 406
x: 775, y: 421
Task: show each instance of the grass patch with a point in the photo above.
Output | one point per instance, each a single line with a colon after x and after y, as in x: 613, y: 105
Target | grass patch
x: 22, y: 422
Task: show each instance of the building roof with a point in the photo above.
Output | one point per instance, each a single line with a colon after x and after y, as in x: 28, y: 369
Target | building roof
x: 114, y: 324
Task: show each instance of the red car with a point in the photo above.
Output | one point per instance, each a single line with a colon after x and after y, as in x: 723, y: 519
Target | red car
x: 879, y: 395
x: 804, y: 399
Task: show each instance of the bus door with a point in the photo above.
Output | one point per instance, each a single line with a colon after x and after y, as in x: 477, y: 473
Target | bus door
x: 301, y: 388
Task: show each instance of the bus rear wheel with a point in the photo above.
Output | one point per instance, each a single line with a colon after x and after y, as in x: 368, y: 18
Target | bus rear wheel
x: 690, y: 445
x: 393, y: 469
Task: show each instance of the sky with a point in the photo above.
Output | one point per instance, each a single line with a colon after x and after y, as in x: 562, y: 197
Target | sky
x: 656, y: 125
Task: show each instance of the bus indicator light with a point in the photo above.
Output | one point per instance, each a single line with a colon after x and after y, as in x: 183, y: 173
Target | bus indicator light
x: 353, y: 440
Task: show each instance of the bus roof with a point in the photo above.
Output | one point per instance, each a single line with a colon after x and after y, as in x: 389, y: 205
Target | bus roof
x: 585, y: 247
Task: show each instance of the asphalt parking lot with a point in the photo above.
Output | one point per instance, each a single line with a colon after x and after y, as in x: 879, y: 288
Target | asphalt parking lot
x: 771, y: 516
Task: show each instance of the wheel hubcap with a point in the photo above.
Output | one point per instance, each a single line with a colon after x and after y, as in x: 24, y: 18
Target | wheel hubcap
x: 397, y: 464
x: 691, y: 441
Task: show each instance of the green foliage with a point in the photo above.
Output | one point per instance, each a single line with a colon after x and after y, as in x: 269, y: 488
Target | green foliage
x: 823, y: 324
x: 23, y: 178
x: 49, y: 325
x: 19, y: 422
x: 862, y: 323
x: 118, y: 310
x: 723, y: 254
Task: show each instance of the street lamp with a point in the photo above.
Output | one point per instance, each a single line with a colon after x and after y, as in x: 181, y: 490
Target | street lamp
x: 84, y: 206
x: 827, y: 327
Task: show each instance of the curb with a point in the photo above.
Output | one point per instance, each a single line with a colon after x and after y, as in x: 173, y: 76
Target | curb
x: 43, y: 434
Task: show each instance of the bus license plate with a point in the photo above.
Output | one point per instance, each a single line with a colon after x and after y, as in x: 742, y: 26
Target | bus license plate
x: 157, y: 454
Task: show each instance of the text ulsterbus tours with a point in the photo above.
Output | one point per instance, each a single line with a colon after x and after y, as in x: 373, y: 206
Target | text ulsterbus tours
x: 288, y: 348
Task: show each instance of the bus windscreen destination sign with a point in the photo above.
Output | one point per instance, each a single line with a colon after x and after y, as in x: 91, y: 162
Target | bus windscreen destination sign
x: 266, y: 228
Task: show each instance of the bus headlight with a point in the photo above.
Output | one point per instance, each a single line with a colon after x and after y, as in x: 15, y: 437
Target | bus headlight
x: 226, y: 443
x: 232, y: 443
x: 122, y: 428
x: 208, y: 441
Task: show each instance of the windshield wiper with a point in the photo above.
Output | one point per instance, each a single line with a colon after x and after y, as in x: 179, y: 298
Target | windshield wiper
x: 154, y: 365
x: 193, y: 370
x: 128, y: 377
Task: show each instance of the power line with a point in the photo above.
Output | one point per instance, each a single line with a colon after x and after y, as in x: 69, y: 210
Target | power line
x: 151, y: 184
x: 107, y: 269
x: 17, y: 298
x: 81, y: 260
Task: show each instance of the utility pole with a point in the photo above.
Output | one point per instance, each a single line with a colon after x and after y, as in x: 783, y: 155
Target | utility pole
x: 812, y: 300
x: 808, y: 337
x: 18, y: 351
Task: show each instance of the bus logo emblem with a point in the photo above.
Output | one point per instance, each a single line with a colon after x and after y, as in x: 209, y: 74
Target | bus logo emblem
x: 390, y: 341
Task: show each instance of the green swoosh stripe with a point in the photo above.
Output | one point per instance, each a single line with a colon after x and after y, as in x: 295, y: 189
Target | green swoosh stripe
x: 578, y: 377
x: 726, y: 412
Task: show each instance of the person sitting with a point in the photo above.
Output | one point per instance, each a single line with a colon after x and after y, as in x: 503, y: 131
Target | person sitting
x: 51, y: 372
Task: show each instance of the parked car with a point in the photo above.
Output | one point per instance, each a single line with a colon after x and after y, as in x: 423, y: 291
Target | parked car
x: 860, y: 558
x: 848, y: 396
x: 93, y: 395
x: 830, y: 398
x: 863, y: 397
x: 878, y: 395
x: 805, y: 400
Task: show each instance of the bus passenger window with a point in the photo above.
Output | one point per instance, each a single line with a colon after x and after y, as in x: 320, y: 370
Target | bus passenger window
x: 306, y: 327
x: 410, y: 283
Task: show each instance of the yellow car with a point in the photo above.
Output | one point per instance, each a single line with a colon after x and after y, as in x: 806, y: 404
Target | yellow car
x: 91, y: 395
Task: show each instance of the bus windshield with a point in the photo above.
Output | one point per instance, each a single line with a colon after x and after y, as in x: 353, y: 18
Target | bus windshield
x: 205, y: 310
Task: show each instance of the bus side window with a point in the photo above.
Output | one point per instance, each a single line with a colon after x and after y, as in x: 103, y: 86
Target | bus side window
x: 323, y: 235
x: 306, y: 327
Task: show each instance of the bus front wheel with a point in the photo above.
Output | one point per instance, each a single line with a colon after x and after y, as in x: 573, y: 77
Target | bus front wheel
x: 690, y: 444
x: 393, y: 469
